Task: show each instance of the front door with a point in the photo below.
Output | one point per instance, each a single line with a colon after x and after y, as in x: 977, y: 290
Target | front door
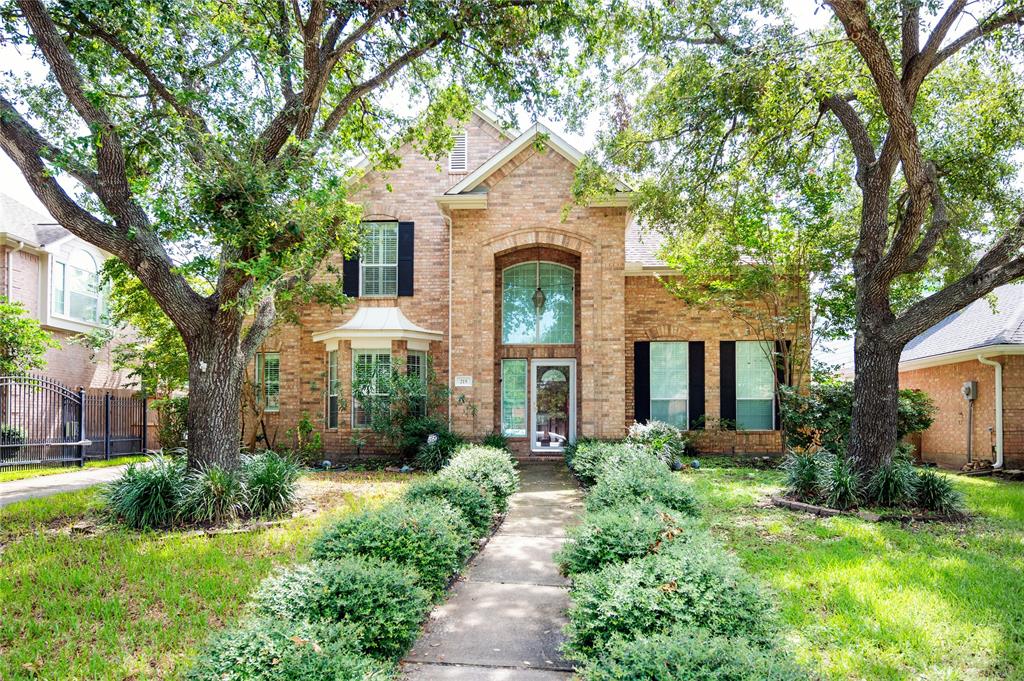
x: 553, y: 408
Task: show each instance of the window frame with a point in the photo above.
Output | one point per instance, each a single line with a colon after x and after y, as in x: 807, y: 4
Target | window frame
x: 262, y: 382
x: 421, y: 371
x: 376, y: 353
x: 63, y: 265
x: 537, y: 318
x: 526, y: 398
x: 368, y: 246
x: 651, y: 399
x: 774, y: 397
x: 333, y: 405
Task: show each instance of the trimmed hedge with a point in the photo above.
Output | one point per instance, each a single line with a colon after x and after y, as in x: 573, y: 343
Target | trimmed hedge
x: 620, y: 534
x: 275, y: 650
x: 493, y: 470
x: 634, y: 481
x: 432, y: 539
x: 585, y: 456
x: 690, y: 654
x: 380, y: 600
x: 474, y: 503
x: 687, y: 584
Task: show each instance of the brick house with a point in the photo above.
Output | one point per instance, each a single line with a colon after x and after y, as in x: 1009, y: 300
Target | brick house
x: 551, y: 323
x: 56, y: 276
x: 976, y: 352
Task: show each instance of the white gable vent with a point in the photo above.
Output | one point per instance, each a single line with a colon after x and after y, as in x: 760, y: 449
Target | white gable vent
x: 458, y: 159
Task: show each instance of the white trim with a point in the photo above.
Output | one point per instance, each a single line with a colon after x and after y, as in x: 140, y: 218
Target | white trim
x: 532, y: 427
x: 464, y: 137
x: 968, y: 355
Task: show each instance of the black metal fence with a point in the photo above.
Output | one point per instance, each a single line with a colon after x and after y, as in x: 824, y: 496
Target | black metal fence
x: 45, y: 423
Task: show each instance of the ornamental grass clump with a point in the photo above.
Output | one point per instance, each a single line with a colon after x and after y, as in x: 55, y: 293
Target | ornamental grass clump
x: 212, y: 494
x: 271, y: 483
x: 840, y: 484
x: 474, y: 503
x: 687, y: 584
x: 935, y: 492
x: 803, y: 471
x: 432, y: 539
x: 147, y: 496
x: 493, y: 470
x: 380, y: 599
x: 894, y: 483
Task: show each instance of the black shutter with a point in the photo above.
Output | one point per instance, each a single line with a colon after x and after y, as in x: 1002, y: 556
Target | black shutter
x: 727, y: 384
x: 780, y: 376
x: 641, y: 381
x: 350, y: 276
x: 405, y: 257
x: 696, y: 380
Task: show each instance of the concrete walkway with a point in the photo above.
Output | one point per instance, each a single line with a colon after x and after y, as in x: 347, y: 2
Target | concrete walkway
x: 503, y: 621
x: 45, y: 485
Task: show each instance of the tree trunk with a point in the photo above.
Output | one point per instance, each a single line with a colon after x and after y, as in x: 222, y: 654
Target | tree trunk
x: 873, y: 432
x: 216, y: 368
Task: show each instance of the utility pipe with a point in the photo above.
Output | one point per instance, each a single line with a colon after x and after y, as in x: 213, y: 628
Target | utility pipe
x: 999, y: 407
x: 451, y: 379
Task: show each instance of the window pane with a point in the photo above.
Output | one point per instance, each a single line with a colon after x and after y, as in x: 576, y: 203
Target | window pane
x: 755, y: 414
x: 513, y: 397
x: 556, y: 317
x: 670, y: 372
x: 366, y: 365
x: 271, y: 380
x: 755, y: 377
x: 670, y: 411
x: 332, y: 389
x: 416, y: 365
x: 379, y: 259
x: 58, y: 288
x: 519, y: 317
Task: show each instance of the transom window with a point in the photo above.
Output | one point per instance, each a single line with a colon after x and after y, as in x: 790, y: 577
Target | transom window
x: 537, y: 304
x: 670, y: 383
x: 75, y: 285
x: 367, y: 366
x: 268, y: 380
x: 378, y: 260
x: 755, y: 386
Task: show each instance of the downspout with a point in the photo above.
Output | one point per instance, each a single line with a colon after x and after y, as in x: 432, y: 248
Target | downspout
x: 9, y: 274
x: 451, y: 384
x: 999, y: 408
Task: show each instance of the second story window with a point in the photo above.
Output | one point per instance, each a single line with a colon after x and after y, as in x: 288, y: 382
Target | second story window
x: 75, y: 288
x: 378, y: 261
x: 537, y: 305
x: 458, y: 160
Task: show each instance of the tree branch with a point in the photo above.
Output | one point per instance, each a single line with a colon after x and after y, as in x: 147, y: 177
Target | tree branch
x: 910, y: 39
x: 986, y: 27
x: 863, y: 147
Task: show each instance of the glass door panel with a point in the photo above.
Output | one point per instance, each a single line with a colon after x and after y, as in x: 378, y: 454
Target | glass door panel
x: 553, y: 405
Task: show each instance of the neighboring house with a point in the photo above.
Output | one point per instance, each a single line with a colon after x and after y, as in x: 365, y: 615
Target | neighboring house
x: 56, y: 276
x: 981, y: 346
x: 551, y: 323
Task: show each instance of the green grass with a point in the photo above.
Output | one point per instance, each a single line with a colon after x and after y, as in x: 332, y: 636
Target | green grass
x: 9, y: 476
x: 864, y: 600
x: 124, y: 604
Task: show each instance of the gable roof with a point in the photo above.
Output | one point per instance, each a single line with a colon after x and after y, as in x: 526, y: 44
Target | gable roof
x: 980, y: 325
x: 470, y: 192
x: 18, y: 222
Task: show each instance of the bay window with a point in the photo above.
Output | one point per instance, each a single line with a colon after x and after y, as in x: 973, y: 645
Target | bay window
x: 332, y: 389
x: 367, y: 366
x: 75, y: 288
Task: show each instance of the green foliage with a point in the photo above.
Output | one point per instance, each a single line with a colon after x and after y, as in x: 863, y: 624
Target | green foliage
x: 821, y: 415
x: 431, y: 539
x: 472, y: 501
x: 377, y: 599
x: 147, y: 497
x: 307, y: 443
x: 275, y: 650
x: 585, y: 456
x: 23, y: 342
x: 497, y: 440
x: 840, y: 485
x: 435, y: 448
x: 212, y: 494
x: 687, y: 584
x: 493, y: 470
x: 894, y: 483
x: 172, y: 421
x: 620, y: 534
x: 271, y: 483
x: 11, y: 435
x: 804, y: 473
x: 663, y: 440
x: 935, y: 492
x: 690, y: 654
x: 635, y: 482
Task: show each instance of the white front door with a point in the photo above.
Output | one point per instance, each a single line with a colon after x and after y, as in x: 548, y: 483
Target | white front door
x: 552, y: 404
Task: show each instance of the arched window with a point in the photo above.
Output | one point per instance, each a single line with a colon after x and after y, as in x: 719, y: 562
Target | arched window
x: 76, y: 287
x: 537, y: 304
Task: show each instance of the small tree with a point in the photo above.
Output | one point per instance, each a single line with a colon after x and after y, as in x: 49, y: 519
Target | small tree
x: 23, y: 342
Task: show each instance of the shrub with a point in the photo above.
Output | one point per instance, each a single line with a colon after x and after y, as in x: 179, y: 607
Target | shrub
x: 936, y: 493
x: 690, y: 654
x: 271, y: 483
x: 585, y: 457
x: 496, y: 440
x: 435, y: 449
x: 894, y: 483
x: 275, y: 650
x: 840, y: 483
x: 381, y: 600
x: 172, y: 421
x: 474, y: 503
x: 307, y: 442
x: 212, y: 494
x: 431, y: 539
x: 803, y: 472
x: 147, y: 496
x: 636, y: 482
x: 493, y: 470
x: 662, y: 439
x: 618, y: 535
x: 12, y: 436
x: 687, y: 584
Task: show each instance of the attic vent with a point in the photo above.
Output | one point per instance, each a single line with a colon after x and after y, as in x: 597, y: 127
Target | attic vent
x: 457, y: 161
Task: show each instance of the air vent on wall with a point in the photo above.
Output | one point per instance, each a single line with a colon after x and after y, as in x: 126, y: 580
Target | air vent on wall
x: 458, y: 159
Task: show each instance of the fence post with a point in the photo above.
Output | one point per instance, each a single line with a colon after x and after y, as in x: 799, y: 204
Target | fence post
x: 145, y: 422
x: 81, y: 427
x: 106, y: 427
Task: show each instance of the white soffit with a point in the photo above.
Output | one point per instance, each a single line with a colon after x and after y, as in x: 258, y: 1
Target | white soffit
x: 376, y: 327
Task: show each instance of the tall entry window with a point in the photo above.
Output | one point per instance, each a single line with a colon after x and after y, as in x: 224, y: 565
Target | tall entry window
x: 537, y: 304
x: 755, y: 386
x: 513, y: 397
x: 670, y: 387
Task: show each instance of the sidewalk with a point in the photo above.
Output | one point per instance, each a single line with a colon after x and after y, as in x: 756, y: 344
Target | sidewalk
x: 45, y: 485
x: 503, y: 621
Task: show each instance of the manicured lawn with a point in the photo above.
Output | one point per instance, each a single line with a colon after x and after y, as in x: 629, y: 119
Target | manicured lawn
x: 865, y: 600
x: 8, y: 476
x: 121, y: 604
